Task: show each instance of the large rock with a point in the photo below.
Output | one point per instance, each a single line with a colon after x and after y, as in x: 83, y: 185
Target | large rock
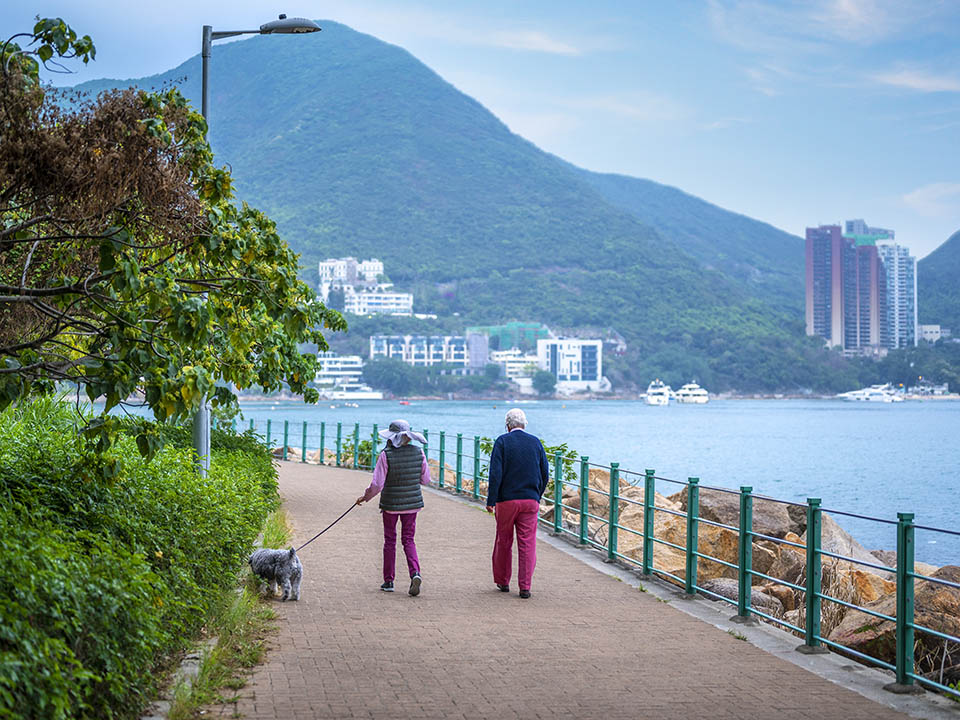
x: 729, y: 589
x: 935, y: 606
x: 835, y: 539
x: 293, y: 454
x: 769, y: 518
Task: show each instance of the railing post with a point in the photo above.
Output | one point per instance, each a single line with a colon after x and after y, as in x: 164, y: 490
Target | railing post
x: 811, y: 643
x: 303, y: 444
x: 356, y: 444
x: 374, y: 442
x: 443, y: 458
x: 286, y: 437
x: 745, y: 558
x: 905, y: 615
x: 339, y: 440
x: 584, y: 498
x: 426, y: 445
x: 557, y: 493
x: 268, y: 433
x: 649, y: 490
x: 233, y: 426
x: 251, y: 425
x: 476, y: 467
x: 613, y: 517
x: 459, y: 463
x: 693, y: 535
x: 323, y: 437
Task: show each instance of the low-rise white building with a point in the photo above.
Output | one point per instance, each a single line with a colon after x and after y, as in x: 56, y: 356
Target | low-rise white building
x: 376, y: 302
x: 339, y: 377
x: 421, y: 350
x: 514, y: 363
x: 350, y: 270
x: 577, y: 364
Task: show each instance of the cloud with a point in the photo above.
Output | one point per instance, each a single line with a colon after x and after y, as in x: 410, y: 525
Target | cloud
x: 919, y: 80
x: 532, y: 40
x: 935, y: 200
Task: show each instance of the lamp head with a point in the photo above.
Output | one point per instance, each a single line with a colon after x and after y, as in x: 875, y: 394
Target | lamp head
x: 285, y: 25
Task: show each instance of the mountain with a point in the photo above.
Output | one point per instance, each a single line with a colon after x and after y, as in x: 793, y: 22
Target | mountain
x: 356, y: 148
x: 759, y: 255
x: 938, y: 290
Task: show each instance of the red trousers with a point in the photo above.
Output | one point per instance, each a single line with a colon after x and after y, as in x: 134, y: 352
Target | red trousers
x: 519, y: 515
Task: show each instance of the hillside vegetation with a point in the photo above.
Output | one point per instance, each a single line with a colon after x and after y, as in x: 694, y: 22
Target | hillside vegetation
x: 938, y: 286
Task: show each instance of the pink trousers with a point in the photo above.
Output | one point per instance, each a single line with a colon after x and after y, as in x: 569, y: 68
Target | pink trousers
x: 408, y: 528
x: 519, y: 515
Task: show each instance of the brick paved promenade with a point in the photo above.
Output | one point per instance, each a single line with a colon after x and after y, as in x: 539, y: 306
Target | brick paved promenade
x: 584, y: 646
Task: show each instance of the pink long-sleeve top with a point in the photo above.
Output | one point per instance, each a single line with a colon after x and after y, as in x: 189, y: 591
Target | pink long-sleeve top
x: 380, y: 477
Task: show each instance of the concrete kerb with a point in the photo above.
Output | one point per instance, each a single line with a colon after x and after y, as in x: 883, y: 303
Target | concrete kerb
x: 846, y: 673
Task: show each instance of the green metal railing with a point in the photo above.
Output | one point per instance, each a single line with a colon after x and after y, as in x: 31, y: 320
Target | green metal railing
x: 574, y: 521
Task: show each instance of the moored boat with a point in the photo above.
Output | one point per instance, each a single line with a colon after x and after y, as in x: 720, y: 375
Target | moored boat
x: 691, y: 393
x: 657, y: 393
x: 874, y: 393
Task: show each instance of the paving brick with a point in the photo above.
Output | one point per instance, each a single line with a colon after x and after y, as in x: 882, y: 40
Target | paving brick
x: 583, y: 646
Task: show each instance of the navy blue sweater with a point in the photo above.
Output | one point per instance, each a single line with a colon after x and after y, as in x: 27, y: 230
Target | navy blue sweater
x: 518, y: 468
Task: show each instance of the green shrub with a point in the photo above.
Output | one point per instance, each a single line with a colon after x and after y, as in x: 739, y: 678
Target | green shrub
x: 100, y: 580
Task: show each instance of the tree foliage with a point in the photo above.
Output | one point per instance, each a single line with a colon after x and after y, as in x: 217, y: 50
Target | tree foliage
x: 544, y: 382
x: 126, y: 265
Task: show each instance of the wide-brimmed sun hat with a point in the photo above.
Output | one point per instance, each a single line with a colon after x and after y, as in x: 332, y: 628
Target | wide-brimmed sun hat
x: 399, y: 429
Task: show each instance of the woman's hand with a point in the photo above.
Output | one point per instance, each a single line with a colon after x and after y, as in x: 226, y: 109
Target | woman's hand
x: 360, y: 500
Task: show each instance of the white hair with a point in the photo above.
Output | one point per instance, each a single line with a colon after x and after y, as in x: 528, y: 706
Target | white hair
x: 515, y: 419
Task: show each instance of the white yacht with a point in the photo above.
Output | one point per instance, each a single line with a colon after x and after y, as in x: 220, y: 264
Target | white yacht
x: 657, y: 393
x: 874, y: 393
x: 691, y: 393
x: 350, y: 391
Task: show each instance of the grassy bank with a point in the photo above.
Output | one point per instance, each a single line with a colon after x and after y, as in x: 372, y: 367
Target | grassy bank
x: 103, y: 581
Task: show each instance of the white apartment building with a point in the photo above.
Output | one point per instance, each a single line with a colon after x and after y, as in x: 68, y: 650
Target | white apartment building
x: 376, y: 302
x: 514, y: 363
x: 349, y: 270
x: 421, y: 350
x: 901, y: 305
x: 338, y: 370
x: 576, y: 364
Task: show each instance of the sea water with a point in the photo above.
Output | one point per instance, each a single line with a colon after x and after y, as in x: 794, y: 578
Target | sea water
x: 869, y: 459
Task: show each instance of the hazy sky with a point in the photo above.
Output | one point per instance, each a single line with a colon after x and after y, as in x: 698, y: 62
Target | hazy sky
x: 796, y: 113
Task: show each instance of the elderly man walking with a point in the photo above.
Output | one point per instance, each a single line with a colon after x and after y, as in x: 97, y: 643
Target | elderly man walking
x: 518, y: 477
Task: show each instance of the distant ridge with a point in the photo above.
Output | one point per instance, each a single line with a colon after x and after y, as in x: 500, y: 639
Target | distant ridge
x: 356, y: 148
x: 938, y: 286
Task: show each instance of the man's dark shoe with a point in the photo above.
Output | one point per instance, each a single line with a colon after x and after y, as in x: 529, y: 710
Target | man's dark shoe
x: 415, y: 585
x: 503, y: 588
x: 524, y: 594
x: 387, y: 587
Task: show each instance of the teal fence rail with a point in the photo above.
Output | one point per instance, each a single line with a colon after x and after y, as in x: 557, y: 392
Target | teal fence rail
x: 461, y: 467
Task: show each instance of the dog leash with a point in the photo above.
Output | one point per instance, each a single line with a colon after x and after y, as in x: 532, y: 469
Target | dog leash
x: 326, y: 528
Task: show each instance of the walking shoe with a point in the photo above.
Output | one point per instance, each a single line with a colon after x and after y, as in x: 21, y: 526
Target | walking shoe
x: 524, y: 594
x: 503, y: 588
x: 387, y: 587
x: 415, y: 585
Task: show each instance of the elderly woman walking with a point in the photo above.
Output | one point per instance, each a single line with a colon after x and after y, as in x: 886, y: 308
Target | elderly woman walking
x: 518, y: 476
x: 400, y: 471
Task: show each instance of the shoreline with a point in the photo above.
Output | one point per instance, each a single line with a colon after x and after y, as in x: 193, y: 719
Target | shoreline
x: 287, y: 397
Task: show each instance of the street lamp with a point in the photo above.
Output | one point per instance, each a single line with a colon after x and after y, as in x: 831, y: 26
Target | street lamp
x: 282, y: 26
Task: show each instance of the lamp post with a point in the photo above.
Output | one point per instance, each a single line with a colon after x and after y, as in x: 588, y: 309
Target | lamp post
x: 281, y: 26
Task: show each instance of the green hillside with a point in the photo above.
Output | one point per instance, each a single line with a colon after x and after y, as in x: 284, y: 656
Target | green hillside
x: 938, y: 287
x: 768, y: 261
x: 356, y: 148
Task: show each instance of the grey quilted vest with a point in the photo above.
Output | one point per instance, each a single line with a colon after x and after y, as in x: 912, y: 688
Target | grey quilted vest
x: 401, y: 491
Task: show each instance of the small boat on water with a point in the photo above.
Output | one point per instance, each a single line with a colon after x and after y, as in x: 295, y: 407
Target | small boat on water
x: 404, y: 402
x: 691, y: 393
x: 875, y: 393
x: 657, y: 393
